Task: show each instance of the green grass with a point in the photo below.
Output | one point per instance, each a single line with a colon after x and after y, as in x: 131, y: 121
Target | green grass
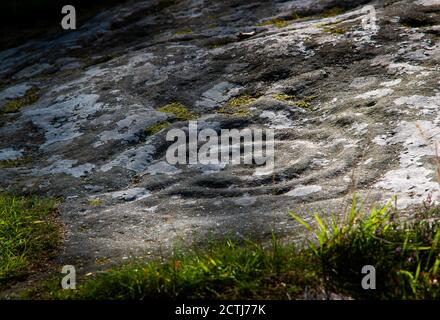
x: 405, y: 253
x: 227, y: 270
x: 28, y: 235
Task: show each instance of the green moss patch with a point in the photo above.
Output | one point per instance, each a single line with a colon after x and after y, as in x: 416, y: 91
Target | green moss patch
x: 178, y: 110
x: 334, y: 28
x: 280, y: 22
x: 184, y: 31
x: 15, y: 163
x: 283, y: 97
x: 155, y: 128
x: 95, y: 202
x: 333, y: 12
x: 238, y: 106
x: 304, y: 103
x: 31, y: 96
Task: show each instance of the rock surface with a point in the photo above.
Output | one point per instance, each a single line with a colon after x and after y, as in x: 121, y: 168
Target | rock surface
x: 353, y: 108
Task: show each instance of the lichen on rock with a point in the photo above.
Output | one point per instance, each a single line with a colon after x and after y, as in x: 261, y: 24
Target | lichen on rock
x: 354, y: 107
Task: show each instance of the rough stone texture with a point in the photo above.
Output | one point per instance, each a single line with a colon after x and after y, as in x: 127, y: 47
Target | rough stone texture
x: 372, y: 126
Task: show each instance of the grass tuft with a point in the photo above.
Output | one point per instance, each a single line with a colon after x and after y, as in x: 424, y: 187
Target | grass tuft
x: 405, y: 254
x: 227, y: 270
x: 29, y: 235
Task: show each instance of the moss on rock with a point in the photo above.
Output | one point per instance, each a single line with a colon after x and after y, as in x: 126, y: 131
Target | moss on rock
x: 155, y: 128
x: 14, y: 163
x: 178, y: 110
x: 238, y: 106
x: 31, y: 96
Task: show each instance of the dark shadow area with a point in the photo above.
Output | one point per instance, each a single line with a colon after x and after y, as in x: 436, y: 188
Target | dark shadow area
x: 23, y: 20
